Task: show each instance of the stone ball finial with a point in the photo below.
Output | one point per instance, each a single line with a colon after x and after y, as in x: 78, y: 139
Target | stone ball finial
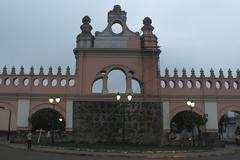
x: 117, y: 8
x: 147, y: 21
x: 86, y: 20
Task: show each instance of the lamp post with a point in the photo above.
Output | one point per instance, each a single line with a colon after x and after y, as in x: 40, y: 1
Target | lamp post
x: 9, y: 121
x: 191, y: 105
x: 129, y: 99
x: 54, y: 101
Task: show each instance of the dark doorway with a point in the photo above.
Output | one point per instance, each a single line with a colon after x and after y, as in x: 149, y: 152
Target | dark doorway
x: 187, y: 126
x: 47, y: 119
x: 228, y: 127
x: 185, y: 120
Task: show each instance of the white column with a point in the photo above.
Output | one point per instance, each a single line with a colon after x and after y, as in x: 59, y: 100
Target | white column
x: 211, y: 111
x: 23, y: 113
x: 129, y: 84
x: 105, y: 87
x: 166, y: 117
x: 69, y: 115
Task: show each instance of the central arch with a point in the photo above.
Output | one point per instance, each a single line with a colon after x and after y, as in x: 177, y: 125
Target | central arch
x: 109, y: 77
x: 117, y: 81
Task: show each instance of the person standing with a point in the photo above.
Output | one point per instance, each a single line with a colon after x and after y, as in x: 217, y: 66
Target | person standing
x: 29, y: 140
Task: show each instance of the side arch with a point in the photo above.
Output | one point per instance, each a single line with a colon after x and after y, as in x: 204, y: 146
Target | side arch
x: 47, y: 119
x: 97, y: 86
x: 58, y: 108
x: 136, y: 86
x: 181, y: 108
x: 11, y: 111
x: 9, y: 106
x: 234, y: 108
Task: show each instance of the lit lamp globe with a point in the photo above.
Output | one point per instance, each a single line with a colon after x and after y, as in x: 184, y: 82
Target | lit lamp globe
x: 51, y: 100
x: 57, y: 99
x: 190, y: 104
x: 129, y: 97
x: 118, y: 97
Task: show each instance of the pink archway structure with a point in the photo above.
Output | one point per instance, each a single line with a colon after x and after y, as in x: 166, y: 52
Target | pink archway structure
x: 137, y: 55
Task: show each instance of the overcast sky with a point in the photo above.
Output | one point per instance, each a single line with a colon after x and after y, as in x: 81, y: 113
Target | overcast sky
x: 192, y: 33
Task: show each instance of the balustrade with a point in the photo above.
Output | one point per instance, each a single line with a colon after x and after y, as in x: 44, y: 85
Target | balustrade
x: 22, y: 81
x: 200, y: 85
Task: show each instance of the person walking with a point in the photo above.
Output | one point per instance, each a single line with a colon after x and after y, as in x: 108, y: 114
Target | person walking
x: 29, y: 140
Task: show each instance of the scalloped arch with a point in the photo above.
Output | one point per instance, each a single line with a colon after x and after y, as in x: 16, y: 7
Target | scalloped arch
x: 123, y: 68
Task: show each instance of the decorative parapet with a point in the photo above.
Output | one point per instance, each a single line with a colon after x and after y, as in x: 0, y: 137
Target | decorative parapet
x: 40, y: 83
x: 200, y: 85
x: 117, y: 34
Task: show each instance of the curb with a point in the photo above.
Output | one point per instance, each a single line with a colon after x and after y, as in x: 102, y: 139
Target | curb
x: 97, y: 154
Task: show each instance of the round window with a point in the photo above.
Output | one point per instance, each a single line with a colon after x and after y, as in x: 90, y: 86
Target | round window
x: 117, y: 28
